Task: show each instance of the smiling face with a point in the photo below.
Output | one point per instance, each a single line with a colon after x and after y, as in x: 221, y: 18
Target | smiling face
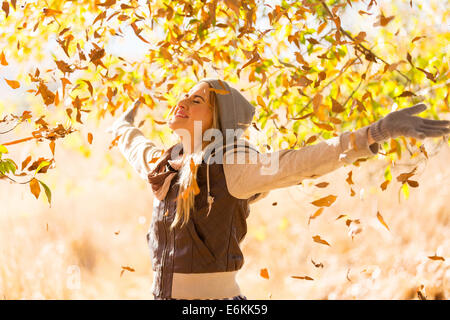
x: 194, y: 106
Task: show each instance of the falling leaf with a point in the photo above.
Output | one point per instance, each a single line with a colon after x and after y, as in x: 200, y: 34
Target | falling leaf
x: 52, y: 148
x: 322, y: 184
x: 406, y: 94
x: 3, y: 59
x: 274, y: 203
x: 435, y: 257
x: 417, y: 38
x: 325, y: 201
x: 302, y: 277
x: 349, y: 178
x: 221, y: 91
x: 380, y: 218
x: 117, y: 232
x: 25, y: 162
x: 384, y: 185
x: 47, y: 192
x: 90, y: 137
x: 264, y: 273
x: 341, y: 216
x: 13, y: 83
x: 383, y: 21
x: 318, y: 239
x: 412, y: 183
x: 126, y: 268
x: 34, y: 187
x: 317, y: 265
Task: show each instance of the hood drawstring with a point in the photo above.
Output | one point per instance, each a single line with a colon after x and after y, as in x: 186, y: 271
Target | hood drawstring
x: 210, y: 198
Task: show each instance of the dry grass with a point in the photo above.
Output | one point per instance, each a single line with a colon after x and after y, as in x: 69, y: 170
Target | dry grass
x: 72, y: 251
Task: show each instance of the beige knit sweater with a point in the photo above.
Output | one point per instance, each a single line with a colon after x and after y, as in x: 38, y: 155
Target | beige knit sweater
x: 244, y: 180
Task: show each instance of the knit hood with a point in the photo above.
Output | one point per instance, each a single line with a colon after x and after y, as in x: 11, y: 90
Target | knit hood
x: 235, y: 111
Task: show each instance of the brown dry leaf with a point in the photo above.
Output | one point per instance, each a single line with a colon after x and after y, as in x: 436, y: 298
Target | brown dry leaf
x: 25, y: 162
x: 417, y: 38
x: 159, y: 122
x: 90, y: 137
x: 35, y: 188
x: 13, y: 83
x: 126, y: 268
x: 325, y: 201
x: 318, y: 239
x: 274, y: 203
x: 322, y: 184
x: 117, y: 232
x: 406, y: 94
x: 384, y: 185
x: 336, y: 106
x: 380, y: 218
x: 349, y: 178
x: 302, y: 277
x: 383, y: 21
x: 412, y: 183
x: 341, y: 216
x: 264, y: 273
x: 435, y: 257
x: 317, y: 265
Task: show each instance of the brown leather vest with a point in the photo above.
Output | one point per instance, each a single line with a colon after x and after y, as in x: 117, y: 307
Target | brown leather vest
x: 206, y: 243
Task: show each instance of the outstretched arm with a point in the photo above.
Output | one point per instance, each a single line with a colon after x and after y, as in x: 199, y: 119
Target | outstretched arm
x: 263, y: 172
x: 132, y: 143
x: 284, y: 168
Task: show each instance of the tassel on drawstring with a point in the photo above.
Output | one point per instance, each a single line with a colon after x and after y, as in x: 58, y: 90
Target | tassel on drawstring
x: 210, y: 202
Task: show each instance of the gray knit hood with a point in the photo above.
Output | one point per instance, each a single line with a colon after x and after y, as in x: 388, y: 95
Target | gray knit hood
x: 235, y: 111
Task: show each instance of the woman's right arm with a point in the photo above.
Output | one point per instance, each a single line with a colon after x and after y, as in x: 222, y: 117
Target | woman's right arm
x: 134, y: 146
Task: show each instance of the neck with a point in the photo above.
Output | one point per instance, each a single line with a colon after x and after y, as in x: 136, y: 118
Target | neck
x: 190, y: 146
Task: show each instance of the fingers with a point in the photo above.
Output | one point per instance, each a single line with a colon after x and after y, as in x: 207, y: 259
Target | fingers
x: 415, y: 109
x: 444, y: 123
x: 434, y: 132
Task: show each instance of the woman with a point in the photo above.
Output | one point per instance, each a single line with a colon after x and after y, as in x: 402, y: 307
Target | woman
x: 200, y: 206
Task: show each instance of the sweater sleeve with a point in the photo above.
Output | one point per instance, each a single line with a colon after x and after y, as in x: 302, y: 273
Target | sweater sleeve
x: 134, y: 146
x: 254, y: 172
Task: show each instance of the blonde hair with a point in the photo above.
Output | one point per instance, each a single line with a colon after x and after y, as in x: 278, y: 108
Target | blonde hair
x: 187, y: 174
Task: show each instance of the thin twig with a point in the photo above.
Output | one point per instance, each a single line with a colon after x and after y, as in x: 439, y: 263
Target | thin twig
x: 359, y: 46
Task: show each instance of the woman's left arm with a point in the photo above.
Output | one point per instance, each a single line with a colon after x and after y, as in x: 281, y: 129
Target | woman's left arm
x: 260, y: 173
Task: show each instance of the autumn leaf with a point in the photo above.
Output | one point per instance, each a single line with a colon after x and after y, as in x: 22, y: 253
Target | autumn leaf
x: 383, y: 21
x: 13, y: 83
x: 126, y: 268
x: 325, y: 201
x: 322, y: 184
x: 302, y: 277
x: 48, y: 193
x: 264, y: 273
x: 3, y: 59
x: 436, y: 257
x: 384, y: 185
x: 318, y: 239
x: 52, y: 148
x: 90, y: 137
x: 316, y: 214
x: 34, y: 187
x: 380, y: 218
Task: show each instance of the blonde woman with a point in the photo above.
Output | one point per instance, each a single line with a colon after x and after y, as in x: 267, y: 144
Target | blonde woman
x: 200, y: 206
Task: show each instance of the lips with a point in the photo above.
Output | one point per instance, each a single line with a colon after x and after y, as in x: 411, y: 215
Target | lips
x: 180, y: 114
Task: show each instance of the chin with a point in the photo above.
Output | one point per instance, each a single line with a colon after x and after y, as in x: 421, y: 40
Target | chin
x: 177, y: 123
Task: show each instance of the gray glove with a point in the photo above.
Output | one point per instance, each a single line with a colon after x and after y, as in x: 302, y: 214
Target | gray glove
x: 403, y: 123
x: 131, y: 112
x: 128, y: 115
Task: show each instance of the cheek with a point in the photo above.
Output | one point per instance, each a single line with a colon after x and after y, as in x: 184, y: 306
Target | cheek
x: 205, y: 115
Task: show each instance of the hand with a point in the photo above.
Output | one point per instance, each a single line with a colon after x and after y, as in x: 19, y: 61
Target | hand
x: 403, y: 123
x: 131, y: 112
x: 128, y: 115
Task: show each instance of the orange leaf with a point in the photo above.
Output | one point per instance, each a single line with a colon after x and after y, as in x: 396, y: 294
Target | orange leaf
x: 3, y: 59
x: 325, y: 201
x: 264, y: 273
x: 35, y: 188
x: 380, y: 218
x: 13, y: 83
x: 89, y: 136
x: 52, y: 148
x: 318, y: 239
x: 384, y: 185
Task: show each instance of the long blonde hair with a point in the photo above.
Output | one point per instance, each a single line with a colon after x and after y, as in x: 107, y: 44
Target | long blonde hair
x: 187, y: 174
